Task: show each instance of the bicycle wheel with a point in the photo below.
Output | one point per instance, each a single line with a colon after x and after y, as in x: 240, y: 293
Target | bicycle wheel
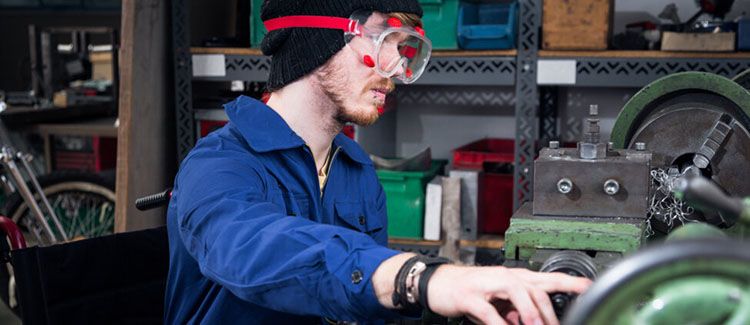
x: 84, y: 204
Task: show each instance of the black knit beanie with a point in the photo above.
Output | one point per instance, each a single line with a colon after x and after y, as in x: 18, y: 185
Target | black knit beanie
x: 295, y: 52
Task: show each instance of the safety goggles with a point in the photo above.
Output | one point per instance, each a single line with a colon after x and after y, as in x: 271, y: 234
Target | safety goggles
x: 385, y: 43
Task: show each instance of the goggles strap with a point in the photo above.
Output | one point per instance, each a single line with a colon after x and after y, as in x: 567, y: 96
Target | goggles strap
x: 345, y: 24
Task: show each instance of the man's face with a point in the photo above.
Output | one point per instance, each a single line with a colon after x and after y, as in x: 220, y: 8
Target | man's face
x: 355, y: 88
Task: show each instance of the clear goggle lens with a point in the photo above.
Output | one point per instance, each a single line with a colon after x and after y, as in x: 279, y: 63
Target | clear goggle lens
x: 398, y: 51
x: 403, y: 55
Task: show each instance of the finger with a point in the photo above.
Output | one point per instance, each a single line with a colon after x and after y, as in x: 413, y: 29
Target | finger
x: 481, y: 312
x: 523, y: 303
x: 513, y: 317
x: 559, y: 282
x: 543, y: 303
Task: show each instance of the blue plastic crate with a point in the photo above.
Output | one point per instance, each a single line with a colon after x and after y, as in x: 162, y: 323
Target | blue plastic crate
x: 487, y: 26
x: 743, y: 35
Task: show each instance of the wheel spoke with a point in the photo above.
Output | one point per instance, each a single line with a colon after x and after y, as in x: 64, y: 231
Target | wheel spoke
x: 82, y: 214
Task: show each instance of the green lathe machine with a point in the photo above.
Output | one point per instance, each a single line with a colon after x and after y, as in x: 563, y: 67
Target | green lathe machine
x: 601, y: 202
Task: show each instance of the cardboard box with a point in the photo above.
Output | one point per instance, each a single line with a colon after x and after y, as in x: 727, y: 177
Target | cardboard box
x: 101, y: 65
x: 704, y: 42
x: 577, y: 25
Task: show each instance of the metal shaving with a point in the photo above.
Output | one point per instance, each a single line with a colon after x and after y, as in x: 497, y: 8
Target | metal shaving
x: 664, y: 206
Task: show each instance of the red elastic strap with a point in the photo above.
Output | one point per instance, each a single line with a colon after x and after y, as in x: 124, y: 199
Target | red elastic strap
x: 344, y: 24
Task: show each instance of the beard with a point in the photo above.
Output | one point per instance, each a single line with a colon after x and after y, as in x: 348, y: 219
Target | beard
x: 335, y: 81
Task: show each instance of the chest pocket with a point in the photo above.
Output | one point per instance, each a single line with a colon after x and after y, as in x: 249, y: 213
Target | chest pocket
x: 294, y: 204
x: 358, y: 215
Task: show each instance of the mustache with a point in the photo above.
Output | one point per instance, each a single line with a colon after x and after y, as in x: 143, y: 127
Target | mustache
x: 384, y: 84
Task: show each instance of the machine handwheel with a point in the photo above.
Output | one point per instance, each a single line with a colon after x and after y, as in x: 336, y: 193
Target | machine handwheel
x: 683, y: 282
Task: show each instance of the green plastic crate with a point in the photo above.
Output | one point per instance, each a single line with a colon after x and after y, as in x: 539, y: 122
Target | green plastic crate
x: 257, y: 30
x: 405, y: 199
x: 441, y: 23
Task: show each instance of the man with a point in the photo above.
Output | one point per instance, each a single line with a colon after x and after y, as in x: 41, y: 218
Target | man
x: 278, y: 218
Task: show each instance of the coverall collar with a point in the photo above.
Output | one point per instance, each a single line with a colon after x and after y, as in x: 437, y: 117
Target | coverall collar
x: 265, y: 130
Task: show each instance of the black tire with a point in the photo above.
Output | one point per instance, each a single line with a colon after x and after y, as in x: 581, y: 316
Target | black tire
x: 56, y: 186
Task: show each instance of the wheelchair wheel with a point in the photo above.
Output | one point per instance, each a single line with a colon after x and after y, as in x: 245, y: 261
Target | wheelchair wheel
x: 83, y: 202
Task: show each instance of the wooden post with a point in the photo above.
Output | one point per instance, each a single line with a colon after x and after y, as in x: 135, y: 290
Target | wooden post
x: 143, y: 154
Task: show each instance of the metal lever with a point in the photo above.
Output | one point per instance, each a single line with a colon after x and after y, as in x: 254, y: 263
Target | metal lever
x: 703, y: 194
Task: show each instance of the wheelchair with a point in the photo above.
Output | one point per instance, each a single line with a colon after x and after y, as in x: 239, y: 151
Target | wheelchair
x: 114, y: 279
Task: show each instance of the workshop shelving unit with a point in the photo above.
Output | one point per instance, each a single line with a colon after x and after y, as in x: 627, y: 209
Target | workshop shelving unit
x: 535, y: 103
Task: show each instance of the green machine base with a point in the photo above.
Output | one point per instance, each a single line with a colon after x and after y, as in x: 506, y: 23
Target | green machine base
x: 534, y: 238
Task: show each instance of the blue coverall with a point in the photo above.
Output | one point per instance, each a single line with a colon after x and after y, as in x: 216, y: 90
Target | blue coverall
x: 251, y: 238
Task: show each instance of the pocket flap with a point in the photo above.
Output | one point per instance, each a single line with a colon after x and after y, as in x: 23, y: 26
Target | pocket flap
x: 356, y: 215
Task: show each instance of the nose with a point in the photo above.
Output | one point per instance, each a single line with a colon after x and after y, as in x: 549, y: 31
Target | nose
x: 400, y: 70
x: 392, y: 61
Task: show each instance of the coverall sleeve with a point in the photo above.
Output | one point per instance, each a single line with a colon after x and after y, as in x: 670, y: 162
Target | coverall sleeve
x: 249, y: 245
x: 381, y: 237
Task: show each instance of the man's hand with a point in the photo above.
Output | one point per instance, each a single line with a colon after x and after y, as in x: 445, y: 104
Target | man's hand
x: 497, y: 295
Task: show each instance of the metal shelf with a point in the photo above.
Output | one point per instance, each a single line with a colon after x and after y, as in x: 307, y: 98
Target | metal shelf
x: 470, y: 71
x: 493, y: 68
x: 424, y: 247
x: 227, y: 64
x: 639, y: 68
x: 490, y: 97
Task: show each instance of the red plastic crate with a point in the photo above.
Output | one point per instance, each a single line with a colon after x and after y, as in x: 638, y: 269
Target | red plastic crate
x: 93, y: 154
x: 475, y: 154
x: 208, y: 126
x: 495, y: 205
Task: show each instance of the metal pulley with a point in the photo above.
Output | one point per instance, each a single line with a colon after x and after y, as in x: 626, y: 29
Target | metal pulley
x: 570, y: 262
